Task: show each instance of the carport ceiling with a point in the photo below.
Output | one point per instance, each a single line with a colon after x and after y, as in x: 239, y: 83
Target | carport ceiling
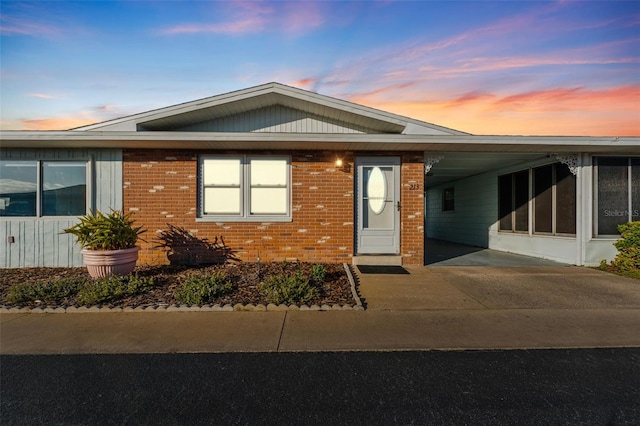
x: 459, y: 165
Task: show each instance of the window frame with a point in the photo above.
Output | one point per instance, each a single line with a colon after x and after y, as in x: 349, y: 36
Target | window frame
x: 448, y: 204
x: 39, y: 209
x: 554, y: 202
x: 630, y: 208
x: 531, y: 202
x: 513, y: 198
x: 245, y: 187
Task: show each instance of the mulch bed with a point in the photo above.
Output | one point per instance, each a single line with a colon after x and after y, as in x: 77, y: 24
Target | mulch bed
x: 246, y: 278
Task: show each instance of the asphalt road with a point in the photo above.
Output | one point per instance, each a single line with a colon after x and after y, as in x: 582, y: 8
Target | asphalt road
x: 523, y: 387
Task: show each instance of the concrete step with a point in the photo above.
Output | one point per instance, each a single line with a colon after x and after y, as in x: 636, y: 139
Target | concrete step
x: 369, y: 259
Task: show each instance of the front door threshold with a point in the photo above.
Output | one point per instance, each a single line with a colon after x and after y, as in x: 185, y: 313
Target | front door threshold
x: 375, y: 259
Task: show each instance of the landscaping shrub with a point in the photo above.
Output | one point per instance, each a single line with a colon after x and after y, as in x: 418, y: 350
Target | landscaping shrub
x: 99, y: 231
x: 318, y: 274
x: 112, y: 288
x: 291, y: 289
x: 199, y: 290
x: 628, y: 257
x: 44, y: 291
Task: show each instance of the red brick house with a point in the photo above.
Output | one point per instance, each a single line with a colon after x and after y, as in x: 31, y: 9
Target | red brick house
x: 278, y: 173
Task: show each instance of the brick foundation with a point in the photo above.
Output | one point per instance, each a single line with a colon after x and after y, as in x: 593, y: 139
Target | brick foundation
x: 161, y: 187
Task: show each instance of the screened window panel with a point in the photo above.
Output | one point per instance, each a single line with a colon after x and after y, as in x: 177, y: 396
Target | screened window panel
x: 269, y: 201
x: 222, y: 201
x: 565, y: 200
x: 543, y: 199
x: 222, y: 172
x: 64, y: 188
x: 521, y: 198
x: 268, y: 172
x: 613, y: 194
x: 18, y: 188
x: 505, y: 202
x: 635, y: 189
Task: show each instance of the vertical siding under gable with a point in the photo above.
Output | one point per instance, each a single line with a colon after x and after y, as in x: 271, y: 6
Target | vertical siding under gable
x: 275, y: 119
x: 38, y: 241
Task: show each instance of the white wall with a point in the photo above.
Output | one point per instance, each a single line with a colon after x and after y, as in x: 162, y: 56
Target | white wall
x: 476, y: 209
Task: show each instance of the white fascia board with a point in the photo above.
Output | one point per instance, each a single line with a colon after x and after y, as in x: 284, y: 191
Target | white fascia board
x: 318, y: 141
x: 132, y: 121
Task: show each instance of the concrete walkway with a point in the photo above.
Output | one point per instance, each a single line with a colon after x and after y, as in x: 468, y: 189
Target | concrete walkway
x: 430, y: 308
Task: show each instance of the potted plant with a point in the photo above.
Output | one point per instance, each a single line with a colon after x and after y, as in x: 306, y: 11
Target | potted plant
x: 108, y: 242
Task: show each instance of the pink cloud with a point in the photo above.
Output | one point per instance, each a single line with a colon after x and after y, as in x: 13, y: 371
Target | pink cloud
x: 561, y: 111
x: 15, y: 26
x: 364, y: 96
x: 254, y: 17
x: 41, y: 95
x: 304, y: 83
x: 59, y: 123
x: 301, y: 17
x: 245, y: 26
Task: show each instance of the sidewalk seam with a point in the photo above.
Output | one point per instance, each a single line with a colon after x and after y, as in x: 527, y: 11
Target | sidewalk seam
x: 284, y: 319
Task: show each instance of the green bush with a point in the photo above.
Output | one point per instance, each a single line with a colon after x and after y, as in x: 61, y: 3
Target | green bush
x: 44, y: 291
x: 318, y: 274
x: 112, y: 288
x: 628, y: 257
x: 114, y: 231
x: 201, y: 289
x: 288, y: 289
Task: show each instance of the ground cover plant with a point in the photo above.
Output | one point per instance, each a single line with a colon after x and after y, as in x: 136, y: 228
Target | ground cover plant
x: 627, y: 261
x: 243, y: 283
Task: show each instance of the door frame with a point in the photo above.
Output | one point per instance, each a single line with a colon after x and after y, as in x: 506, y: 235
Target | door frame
x: 392, y: 233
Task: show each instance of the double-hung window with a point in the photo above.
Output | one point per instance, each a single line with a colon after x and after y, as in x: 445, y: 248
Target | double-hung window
x: 245, y: 188
x: 616, y: 193
x: 35, y: 188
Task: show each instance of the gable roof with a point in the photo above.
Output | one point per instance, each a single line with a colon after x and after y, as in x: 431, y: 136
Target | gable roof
x: 286, y: 103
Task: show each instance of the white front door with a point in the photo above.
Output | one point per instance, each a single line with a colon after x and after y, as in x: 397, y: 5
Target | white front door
x: 378, y: 205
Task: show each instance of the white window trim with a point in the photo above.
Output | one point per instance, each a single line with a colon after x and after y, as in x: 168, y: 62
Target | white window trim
x: 39, y: 161
x: 245, y: 215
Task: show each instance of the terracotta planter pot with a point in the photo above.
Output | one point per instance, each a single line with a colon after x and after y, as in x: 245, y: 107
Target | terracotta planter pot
x: 102, y: 263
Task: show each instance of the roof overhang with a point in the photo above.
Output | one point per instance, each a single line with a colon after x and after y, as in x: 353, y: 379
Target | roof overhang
x: 312, y: 141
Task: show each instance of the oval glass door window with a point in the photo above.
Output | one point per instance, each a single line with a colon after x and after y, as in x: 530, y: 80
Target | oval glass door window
x: 377, y: 190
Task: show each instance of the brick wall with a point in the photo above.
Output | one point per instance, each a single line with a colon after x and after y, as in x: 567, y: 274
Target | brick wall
x: 412, y: 211
x: 160, y: 190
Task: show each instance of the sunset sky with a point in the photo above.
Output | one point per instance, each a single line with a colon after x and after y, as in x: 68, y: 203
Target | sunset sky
x: 483, y: 67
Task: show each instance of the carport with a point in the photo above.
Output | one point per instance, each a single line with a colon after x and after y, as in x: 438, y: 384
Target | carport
x: 446, y: 253
x: 463, y: 199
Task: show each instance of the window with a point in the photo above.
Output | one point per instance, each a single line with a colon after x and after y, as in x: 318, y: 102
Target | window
x: 245, y: 188
x: 617, y: 193
x: 43, y: 188
x: 513, y: 198
x: 448, y: 204
x: 553, y: 200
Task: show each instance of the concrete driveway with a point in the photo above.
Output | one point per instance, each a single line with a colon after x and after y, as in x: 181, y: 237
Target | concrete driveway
x: 498, y: 288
